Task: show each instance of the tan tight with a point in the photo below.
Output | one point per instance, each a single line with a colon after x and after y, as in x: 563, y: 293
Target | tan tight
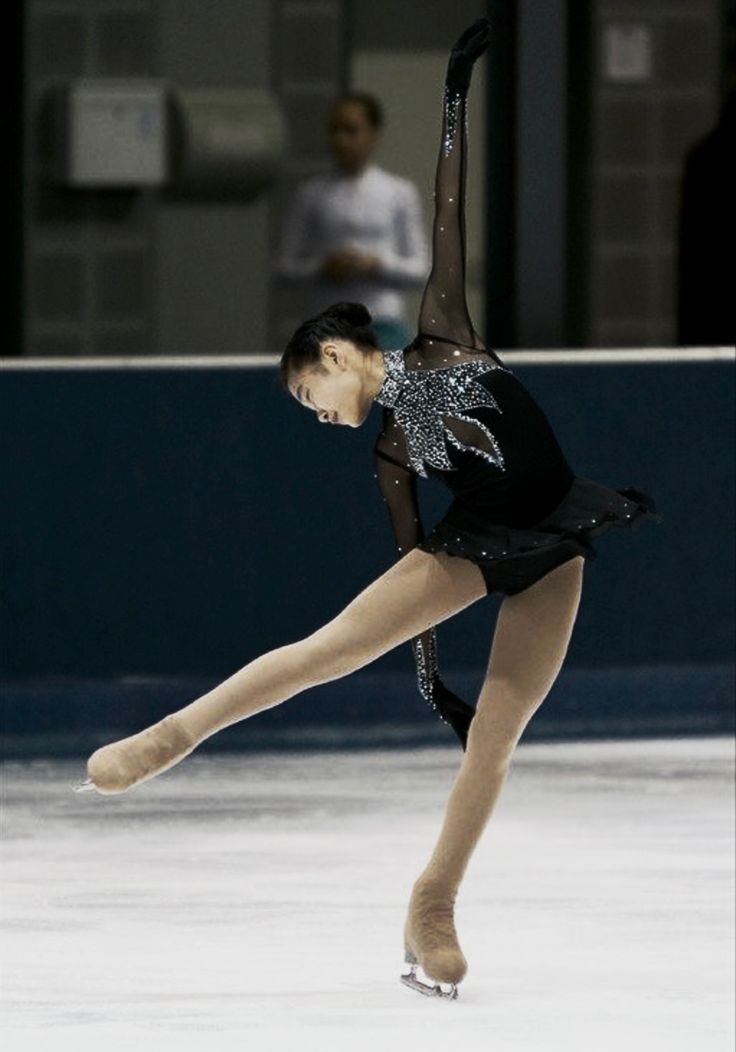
x: 418, y: 591
x: 530, y: 641
x: 529, y: 645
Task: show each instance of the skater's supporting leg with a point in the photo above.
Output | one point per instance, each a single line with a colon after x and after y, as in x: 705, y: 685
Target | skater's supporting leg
x: 530, y: 641
x: 418, y: 591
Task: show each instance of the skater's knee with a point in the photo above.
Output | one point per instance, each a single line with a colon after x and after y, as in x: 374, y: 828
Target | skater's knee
x: 501, y: 716
x: 514, y: 693
x: 492, y: 741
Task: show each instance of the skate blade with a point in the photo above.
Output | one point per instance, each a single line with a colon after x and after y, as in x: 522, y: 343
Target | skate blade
x: 84, y: 787
x: 411, y: 980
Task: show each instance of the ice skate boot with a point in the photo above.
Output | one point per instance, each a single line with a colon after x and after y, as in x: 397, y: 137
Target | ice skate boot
x: 430, y: 942
x: 119, y: 766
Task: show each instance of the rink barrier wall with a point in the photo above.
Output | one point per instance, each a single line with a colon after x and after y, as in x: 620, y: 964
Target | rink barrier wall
x: 172, y: 519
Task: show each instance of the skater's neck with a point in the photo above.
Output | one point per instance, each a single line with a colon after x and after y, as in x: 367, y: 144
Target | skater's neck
x: 375, y: 372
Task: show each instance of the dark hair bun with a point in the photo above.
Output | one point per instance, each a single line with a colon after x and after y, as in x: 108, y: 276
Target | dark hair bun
x: 350, y: 321
x: 354, y: 313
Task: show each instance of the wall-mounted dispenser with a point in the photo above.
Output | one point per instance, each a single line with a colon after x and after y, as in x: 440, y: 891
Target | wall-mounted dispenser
x: 205, y: 142
x: 224, y: 141
x: 110, y: 134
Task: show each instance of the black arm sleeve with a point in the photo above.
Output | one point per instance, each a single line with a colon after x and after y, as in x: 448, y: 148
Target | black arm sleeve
x: 444, y: 314
x: 398, y: 485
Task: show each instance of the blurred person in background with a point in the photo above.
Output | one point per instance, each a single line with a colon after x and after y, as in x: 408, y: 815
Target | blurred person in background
x: 357, y: 233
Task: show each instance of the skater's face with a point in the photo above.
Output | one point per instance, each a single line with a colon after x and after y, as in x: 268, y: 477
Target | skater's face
x: 351, y: 134
x: 340, y: 388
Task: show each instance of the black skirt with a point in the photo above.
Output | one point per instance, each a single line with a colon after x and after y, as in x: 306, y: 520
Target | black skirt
x: 512, y: 559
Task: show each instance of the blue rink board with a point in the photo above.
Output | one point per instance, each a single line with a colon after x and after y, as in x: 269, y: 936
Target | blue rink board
x: 176, y: 523
x: 368, y: 710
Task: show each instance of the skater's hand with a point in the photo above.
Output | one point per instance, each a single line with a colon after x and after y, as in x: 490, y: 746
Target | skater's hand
x: 468, y: 47
x: 473, y: 41
x: 453, y: 709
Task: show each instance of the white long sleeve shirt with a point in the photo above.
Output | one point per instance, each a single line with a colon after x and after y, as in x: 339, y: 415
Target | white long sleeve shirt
x: 375, y: 212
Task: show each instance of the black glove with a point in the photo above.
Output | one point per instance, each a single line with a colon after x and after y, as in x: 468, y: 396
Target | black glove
x: 468, y: 47
x: 452, y: 709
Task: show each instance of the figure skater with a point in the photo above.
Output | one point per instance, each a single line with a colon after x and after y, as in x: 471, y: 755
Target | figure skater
x: 520, y: 523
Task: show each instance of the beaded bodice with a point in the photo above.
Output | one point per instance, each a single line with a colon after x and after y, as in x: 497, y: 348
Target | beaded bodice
x: 422, y: 399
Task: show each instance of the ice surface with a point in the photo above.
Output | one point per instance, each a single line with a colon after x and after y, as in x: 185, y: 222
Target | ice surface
x: 257, y: 903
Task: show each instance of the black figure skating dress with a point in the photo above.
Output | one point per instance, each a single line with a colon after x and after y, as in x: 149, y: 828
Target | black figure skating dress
x: 454, y: 411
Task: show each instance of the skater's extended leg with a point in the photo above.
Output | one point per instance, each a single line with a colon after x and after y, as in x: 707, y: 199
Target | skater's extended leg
x: 530, y: 641
x: 418, y: 591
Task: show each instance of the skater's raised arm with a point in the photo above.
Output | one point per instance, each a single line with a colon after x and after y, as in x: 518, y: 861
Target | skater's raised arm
x: 444, y: 311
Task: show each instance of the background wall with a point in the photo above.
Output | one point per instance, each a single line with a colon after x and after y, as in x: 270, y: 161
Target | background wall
x: 586, y: 176
x: 117, y: 272
x: 212, y: 257
x: 629, y: 139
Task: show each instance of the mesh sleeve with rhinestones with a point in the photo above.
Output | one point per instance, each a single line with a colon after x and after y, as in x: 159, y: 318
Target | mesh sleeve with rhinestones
x: 443, y: 316
x: 398, y: 485
x: 443, y: 310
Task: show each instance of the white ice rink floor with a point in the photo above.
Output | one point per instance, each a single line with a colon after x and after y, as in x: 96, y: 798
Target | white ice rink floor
x: 257, y: 903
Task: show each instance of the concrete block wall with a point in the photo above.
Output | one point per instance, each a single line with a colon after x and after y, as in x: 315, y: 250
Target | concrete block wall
x: 640, y: 131
x: 88, y: 256
x: 119, y: 272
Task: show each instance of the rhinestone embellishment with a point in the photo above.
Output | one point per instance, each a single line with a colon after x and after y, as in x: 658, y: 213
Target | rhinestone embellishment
x: 451, y: 102
x: 421, y: 398
x: 427, y: 668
